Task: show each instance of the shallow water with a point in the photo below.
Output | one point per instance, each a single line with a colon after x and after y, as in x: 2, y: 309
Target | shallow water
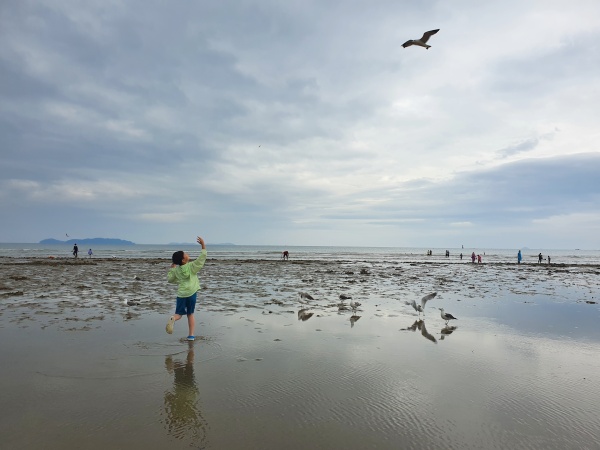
x: 518, y: 371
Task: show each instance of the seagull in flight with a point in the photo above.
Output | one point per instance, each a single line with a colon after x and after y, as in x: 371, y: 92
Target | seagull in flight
x: 421, y: 308
x: 421, y: 42
x: 447, y: 316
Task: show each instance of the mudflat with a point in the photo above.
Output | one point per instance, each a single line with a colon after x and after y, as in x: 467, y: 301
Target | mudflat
x: 518, y: 368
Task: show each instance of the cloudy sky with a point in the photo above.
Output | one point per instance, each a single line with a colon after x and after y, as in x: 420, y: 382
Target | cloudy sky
x: 301, y: 122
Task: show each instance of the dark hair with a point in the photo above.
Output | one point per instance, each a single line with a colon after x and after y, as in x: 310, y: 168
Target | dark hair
x: 178, y: 257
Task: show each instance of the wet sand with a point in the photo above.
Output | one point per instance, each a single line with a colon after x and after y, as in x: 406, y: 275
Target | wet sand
x: 517, y: 369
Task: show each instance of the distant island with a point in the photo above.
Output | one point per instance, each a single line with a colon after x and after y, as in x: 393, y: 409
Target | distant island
x: 88, y: 241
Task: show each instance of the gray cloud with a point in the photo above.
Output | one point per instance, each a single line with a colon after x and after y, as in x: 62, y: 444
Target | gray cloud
x: 299, y: 122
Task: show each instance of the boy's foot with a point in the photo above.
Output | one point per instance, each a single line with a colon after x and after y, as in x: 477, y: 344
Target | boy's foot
x: 191, y: 338
x: 170, y: 324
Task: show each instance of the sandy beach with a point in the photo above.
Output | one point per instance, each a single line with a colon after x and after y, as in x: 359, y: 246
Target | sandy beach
x: 83, y: 370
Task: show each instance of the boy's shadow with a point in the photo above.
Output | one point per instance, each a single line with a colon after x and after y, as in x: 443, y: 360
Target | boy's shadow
x: 182, y: 416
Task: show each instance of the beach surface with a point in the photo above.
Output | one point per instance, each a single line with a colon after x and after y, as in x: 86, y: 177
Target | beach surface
x: 518, y: 369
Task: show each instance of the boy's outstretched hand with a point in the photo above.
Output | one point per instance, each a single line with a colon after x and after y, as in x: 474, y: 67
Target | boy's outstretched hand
x: 201, y: 242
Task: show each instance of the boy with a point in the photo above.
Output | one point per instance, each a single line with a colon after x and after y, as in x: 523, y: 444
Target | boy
x: 185, y: 273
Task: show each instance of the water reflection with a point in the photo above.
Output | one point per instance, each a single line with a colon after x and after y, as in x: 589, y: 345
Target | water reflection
x: 420, y: 325
x: 353, y: 320
x: 447, y: 331
x: 183, y: 418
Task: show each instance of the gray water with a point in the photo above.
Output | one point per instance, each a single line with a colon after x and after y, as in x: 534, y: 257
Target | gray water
x: 270, y: 252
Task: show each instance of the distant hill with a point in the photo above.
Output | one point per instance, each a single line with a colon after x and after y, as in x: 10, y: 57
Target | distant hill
x: 88, y: 241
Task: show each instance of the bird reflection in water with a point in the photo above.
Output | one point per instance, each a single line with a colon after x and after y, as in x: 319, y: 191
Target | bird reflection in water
x: 353, y: 319
x: 182, y: 416
x: 131, y: 316
x: 447, y: 331
x: 420, y: 325
x: 304, y: 315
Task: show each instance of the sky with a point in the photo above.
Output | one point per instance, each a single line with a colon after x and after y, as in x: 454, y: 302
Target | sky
x: 301, y: 122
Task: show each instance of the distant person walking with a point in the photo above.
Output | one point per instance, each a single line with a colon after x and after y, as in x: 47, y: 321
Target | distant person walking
x: 461, y: 256
x: 90, y: 253
x: 185, y: 273
x: 473, y: 257
x: 519, y: 257
x: 75, y: 250
x: 285, y: 255
x: 540, y: 257
x: 548, y: 259
x: 478, y: 259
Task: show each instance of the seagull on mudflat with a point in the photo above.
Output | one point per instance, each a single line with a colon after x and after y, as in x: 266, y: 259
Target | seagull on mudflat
x: 304, y: 315
x: 354, y: 305
x: 446, y: 316
x: 345, y: 297
x: 130, y: 303
x: 421, y: 42
x: 421, y: 308
x: 304, y: 297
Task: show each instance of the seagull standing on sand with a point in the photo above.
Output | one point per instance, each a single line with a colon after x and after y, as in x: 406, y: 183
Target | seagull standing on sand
x: 421, y: 42
x: 421, y: 308
x: 130, y: 303
x: 304, y: 315
x: 354, y: 305
x: 304, y: 297
x: 447, y: 316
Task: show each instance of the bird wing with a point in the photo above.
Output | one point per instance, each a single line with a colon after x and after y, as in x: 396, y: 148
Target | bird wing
x: 308, y: 297
x: 427, y: 35
x: 408, y: 43
x: 427, y: 298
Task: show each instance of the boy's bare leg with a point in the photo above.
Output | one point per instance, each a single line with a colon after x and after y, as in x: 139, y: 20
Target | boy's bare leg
x: 191, y: 324
x: 177, y: 317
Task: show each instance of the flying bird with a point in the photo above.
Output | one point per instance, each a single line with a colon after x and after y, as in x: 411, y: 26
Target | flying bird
x: 446, y: 316
x: 421, y: 308
x: 421, y: 42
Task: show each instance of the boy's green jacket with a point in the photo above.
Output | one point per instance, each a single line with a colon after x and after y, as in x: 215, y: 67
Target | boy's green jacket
x: 186, y: 276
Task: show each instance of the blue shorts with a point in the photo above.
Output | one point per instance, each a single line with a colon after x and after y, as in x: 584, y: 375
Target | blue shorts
x: 185, y: 305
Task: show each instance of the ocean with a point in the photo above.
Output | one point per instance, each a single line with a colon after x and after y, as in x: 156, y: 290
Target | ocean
x: 269, y: 252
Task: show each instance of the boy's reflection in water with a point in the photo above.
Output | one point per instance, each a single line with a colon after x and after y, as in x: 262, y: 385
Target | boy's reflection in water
x: 183, y: 418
